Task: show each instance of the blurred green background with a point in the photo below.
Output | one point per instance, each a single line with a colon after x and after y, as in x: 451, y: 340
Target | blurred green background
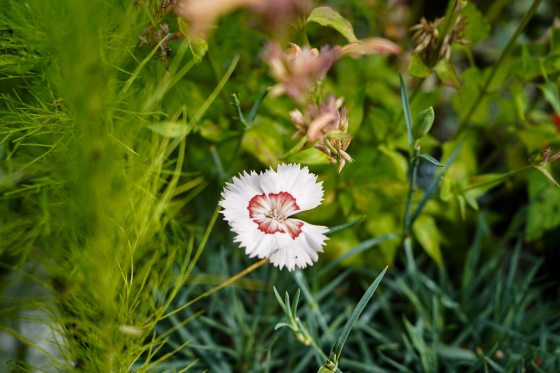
x: 114, y: 149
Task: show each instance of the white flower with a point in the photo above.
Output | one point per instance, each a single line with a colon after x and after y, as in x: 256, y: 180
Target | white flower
x: 258, y: 207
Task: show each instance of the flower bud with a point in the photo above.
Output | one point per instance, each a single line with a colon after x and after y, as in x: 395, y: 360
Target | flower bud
x: 423, y: 123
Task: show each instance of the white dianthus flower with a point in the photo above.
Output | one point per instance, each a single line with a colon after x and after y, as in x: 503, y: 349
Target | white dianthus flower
x: 258, y: 207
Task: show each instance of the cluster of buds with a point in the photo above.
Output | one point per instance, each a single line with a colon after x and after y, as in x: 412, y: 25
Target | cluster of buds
x: 454, y: 36
x: 158, y: 33
x: 298, y: 70
x: 426, y: 36
x: 326, y: 128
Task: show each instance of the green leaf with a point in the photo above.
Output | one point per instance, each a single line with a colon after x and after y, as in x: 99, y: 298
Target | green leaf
x: 310, y: 156
x: 427, y: 234
x: 295, y: 303
x: 296, y: 148
x: 214, y: 132
x: 262, y: 140
x: 329, y: 17
x: 360, y: 248
x: 520, y: 99
x: 417, y: 67
x: 477, y: 28
x: 256, y: 105
x: 398, y: 162
x: 282, y: 325
x: 528, y: 66
x: 546, y: 172
x: 431, y: 159
x: 544, y: 204
x: 279, y: 299
x: 197, y: 45
x: 346, y: 225
x: 555, y: 39
x: 171, y: 129
x: 423, y: 123
x: 551, y: 64
x: 455, y: 353
x: 447, y: 74
x: 406, y: 109
x: 336, y: 351
x: 550, y: 92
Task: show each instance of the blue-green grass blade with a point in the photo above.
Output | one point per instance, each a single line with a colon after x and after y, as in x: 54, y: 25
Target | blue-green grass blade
x: 345, y: 225
x: 341, y: 340
x: 360, y: 248
x: 406, y: 109
x: 255, y: 108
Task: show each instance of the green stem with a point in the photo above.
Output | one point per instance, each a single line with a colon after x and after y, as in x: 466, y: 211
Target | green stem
x: 240, y: 115
x: 246, y: 124
x: 211, y: 291
x: 435, y: 183
x: 496, y: 66
x: 202, y: 110
x: 450, y: 20
x: 411, y: 188
x: 410, y: 264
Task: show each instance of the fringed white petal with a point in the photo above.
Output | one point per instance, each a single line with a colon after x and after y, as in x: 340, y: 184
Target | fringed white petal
x: 238, y: 193
x: 297, y: 181
x: 256, y: 243
x: 302, y: 251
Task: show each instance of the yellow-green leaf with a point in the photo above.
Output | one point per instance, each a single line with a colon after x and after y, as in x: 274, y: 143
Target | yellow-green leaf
x: 171, y: 129
x: 417, y: 67
x: 329, y: 17
x: 428, y: 236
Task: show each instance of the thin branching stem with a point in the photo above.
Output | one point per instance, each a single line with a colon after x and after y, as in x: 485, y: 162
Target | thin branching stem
x: 211, y: 291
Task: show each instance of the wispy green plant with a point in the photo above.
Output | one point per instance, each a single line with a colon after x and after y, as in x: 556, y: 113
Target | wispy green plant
x: 103, y: 167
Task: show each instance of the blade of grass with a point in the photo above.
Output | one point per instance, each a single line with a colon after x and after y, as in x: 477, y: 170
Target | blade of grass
x: 217, y: 288
x: 360, y: 248
x: 200, y: 112
x: 255, y: 108
x: 407, y: 115
x: 346, y: 225
x: 300, y: 279
x: 336, y: 351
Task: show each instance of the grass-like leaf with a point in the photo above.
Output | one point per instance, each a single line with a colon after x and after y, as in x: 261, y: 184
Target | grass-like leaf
x: 406, y: 109
x: 336, y: 351
x: 345, y: 225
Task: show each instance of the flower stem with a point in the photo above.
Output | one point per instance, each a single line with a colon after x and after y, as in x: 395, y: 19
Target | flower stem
x: 450, y: 17
x: 211, y: 291
x: 411, y: 188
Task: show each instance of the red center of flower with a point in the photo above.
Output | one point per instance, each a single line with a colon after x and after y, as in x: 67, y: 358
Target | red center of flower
x: 270, y: 212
